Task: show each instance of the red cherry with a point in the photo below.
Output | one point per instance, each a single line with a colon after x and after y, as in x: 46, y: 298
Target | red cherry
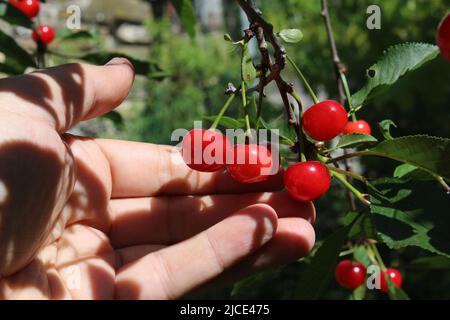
x: 443, y: 37
x: 394, y: 275
x: 30, y: 8
x: 307, y: 181
x: 324, y: 120
x: 359, y: 126
x: 350, y: 274
x: 204, y: 150
x: 46, y: 34
x: 251, y: 163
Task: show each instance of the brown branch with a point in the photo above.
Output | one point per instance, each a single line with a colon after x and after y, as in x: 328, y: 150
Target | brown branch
x: 264, y: 35
x: 339, y: 68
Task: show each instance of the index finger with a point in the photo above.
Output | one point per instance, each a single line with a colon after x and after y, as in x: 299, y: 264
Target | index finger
x: 144, y: 170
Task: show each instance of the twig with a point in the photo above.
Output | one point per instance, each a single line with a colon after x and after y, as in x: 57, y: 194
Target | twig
x: 340, y: 70
x: 264, y: 34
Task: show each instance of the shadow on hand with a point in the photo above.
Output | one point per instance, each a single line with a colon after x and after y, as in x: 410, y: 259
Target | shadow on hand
x: 44, y: 89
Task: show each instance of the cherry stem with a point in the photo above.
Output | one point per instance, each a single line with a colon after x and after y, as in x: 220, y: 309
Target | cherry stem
x: 378, y: 257
x: 244, y: 105
x: 222, y: 111
x: 347, y: 156
x: 348, y: 173
x: 301, y: 75
x: 351, y: 188
x: 443, y: 183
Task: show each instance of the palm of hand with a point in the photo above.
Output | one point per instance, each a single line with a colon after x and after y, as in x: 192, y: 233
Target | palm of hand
x: 101, y: 219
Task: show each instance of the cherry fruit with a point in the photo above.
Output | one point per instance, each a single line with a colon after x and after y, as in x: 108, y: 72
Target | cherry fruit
x: 394, y: 275
x: 443, y: 37
x: 350, y: 274
x: 30, y: 8
x: 307, y: 181
x: 251, y: 163
x: 325, y: 120
x: 359, y: 126
x: 44, y: 34
x: 204, y: 150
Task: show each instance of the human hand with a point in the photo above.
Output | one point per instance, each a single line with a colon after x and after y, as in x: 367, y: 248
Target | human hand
x: 89, y: 218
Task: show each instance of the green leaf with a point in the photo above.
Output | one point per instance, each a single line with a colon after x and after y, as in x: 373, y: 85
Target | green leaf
x: 116, y: 119
x: 407, y: 171
x: 358, y: 294
x: 396, y: 293
x: 362, y: 228
x: 248, y: 71
x: 318, y: 273
x: 290, y: 35
x: 360, y: 254
x: 283, y: 139
x: 18, y: 60
x: 68, y: 35
x: 14, y: 16
x: 355, y: 140
x: 431, y: 154
x: 431, y: 263
x: 187, y: 15
x: 144, y: 68
x: 385, y: 128
x: 396, y: 62
x: 227, y: 122
x: 251, y: 285
x: 402, y: 215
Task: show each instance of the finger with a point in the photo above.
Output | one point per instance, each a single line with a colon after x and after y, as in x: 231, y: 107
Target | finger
x: 143, y: 170
x: 176, y: 270
x: 63, y: 96
x: 168, y: 220
x: 293, y: 240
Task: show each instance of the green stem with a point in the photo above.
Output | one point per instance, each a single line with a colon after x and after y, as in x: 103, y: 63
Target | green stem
x: 347, y: 173
x: 351, y: 188
x: 300, y: 74
x: 442, y: 183
x: 244, y: 104
x: 348, y: 95
x: 348, y: 156
x: 378, y: 257
x: 222, y: 111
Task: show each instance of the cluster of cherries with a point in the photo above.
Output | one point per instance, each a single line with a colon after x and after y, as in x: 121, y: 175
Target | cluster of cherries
x: 44, y: 34
x: 352, y: 274
x: 304, y: 181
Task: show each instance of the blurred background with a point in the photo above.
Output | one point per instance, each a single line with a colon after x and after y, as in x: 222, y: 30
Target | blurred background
x: 198, y: 69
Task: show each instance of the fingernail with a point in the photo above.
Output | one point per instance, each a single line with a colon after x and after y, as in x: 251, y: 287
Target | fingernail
x: 120, y: 61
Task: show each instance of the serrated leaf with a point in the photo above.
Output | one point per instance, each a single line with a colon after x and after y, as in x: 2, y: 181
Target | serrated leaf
x: 227, y: 122
x: 431, y: 154
x: 407, y: 171
x: 402, y: 216
x: 248, y: 71
x: 396, y: 62
x: 144, y: 68
x: 355, y: 140
x: 431, y: 263
x: 385, y: 128
x: 318, y: 273
x: 186, y: 12
x: 291, y: 35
